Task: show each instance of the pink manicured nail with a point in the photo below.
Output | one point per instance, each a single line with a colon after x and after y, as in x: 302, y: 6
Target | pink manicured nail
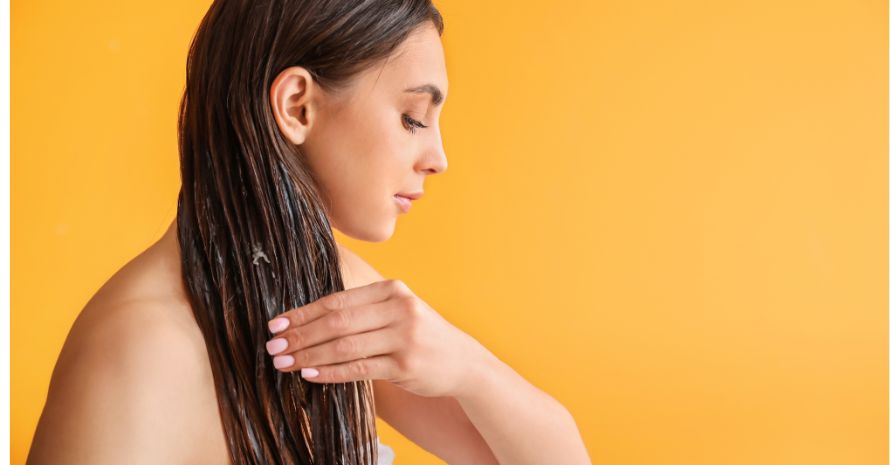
x: 278, y: 324
x: 282, y: 361
x: 309, y: 372
x: 276, y: 345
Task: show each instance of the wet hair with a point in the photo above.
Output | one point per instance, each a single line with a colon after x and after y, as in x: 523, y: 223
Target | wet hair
x: 253, y: 225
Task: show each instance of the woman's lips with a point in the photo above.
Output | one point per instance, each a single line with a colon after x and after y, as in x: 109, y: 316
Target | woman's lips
x: 403, y: 202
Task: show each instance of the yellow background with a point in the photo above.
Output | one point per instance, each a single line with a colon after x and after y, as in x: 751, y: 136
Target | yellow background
x: 669, y: 215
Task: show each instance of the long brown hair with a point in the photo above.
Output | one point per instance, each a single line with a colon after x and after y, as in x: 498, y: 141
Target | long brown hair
x: 252, y: 222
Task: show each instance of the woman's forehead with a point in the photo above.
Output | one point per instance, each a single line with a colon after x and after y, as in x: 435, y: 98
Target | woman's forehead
x: 419, y: 61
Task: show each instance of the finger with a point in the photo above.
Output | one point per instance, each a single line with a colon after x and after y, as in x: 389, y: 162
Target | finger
x: 380, y: 367
x: 369, y: 293
x: 333, y: 325
x: 342, y: 350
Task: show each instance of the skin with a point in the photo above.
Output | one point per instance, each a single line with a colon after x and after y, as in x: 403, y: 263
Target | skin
x: 356, y: 142
x: 136, y: 342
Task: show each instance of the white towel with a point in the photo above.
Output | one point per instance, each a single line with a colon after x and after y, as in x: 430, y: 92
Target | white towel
x: 385, y: 454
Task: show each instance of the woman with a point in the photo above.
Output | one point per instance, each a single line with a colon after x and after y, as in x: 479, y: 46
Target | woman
x: 246, y: 334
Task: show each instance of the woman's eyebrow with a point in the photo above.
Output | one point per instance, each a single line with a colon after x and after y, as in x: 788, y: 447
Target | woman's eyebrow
x: 431, y: 89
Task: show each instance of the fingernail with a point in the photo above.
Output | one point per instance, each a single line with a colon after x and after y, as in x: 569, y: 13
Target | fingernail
x: 309, y: 372
x: 276, y: 345
x: 278, y: 324
x: 282, y: 361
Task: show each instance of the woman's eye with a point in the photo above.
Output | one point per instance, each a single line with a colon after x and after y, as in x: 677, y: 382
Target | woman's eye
x: 412, y: 124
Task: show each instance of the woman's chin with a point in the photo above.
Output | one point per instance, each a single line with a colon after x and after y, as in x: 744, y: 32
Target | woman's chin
x: 383, y: 231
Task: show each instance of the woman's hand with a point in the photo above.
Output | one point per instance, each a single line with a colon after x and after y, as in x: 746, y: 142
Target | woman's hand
x: 378, y: 331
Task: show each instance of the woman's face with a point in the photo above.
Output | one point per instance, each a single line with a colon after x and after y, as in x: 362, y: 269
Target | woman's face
x: 360, y: 144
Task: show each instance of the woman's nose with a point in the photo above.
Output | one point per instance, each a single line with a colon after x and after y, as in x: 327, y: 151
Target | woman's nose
x: 435, y: 161
x: 438, y: 167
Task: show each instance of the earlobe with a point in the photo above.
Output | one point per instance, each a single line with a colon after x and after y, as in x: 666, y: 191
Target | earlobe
x: 290, y: 96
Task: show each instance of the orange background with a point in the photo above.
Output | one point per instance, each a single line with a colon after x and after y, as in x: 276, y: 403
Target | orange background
x: 669, y: 215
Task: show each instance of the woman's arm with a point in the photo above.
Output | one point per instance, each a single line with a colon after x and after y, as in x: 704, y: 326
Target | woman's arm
x: 502, y: 418
x: 522, y: 424
x: 437, y: 424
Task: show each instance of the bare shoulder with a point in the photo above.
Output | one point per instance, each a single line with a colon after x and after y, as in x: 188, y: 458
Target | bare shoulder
x: 127, y: 388
x: 356, y: 271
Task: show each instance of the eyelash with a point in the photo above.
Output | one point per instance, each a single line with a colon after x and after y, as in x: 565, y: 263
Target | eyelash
x: 412, y: 123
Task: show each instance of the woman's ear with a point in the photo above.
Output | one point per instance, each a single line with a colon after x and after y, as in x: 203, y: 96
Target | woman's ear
x: 292, y: 95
